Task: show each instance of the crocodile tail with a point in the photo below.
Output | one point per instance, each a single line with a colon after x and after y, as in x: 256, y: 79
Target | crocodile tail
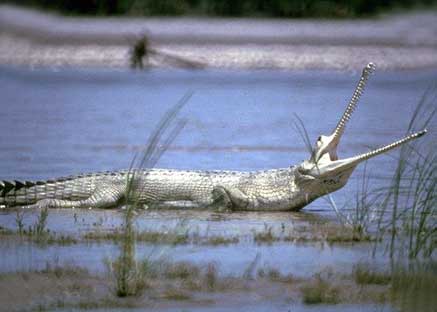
x: 16, y: 193
x: 21, y: 192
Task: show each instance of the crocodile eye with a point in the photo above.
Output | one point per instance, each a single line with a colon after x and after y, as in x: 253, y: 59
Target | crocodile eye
x: 320, y: 138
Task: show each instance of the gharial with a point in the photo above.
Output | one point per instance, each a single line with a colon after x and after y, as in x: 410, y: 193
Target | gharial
x: 278, y: 189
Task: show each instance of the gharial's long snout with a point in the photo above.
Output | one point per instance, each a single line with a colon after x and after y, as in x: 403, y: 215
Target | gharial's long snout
x: 325, y: 153
x: 351, y: 162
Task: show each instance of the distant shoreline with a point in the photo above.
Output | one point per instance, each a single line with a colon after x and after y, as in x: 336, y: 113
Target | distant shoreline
x: 33, y: 38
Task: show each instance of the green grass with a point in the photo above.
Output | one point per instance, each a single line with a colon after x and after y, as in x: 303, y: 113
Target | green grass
x: 363, y: 275
x: 274, y: 275
x: 210, y: 277
x: 38, y: 232
x: 414, y: 287
x: 319, y: 292
x: 154, y: 237
x: 63, y: 271
x: 409, y: 203
x: 346, y: 235
x: 129, y: 275
x: 266, y: 236
x: 181, y: 270
x: 221, y: 240
x: 55, y: 239
x: 6, y: 232
x: 174, y: 293
x: 173, y: 237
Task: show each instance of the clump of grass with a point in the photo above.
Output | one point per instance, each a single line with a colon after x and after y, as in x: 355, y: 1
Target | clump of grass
x: 364, y: 275
x: 6, y: 231
x: 319, y: 291
x: 181, y: 270
x: 409, y: 204
x: 40, y: 226
x: 173, y: 238
x: 413, y: 287
x: 345, y: 234
x: 211, y: 276
x: 274, y: 275
x: 129, y: 279
x: 221, y: 240
x: 91, y: 304
x: 19, y: 217
x: 38, y: 232
x: 266, y: 236
x: 63, y: 271
x: 173, y: 293
x: 330, y: 232
x: 60, y: 240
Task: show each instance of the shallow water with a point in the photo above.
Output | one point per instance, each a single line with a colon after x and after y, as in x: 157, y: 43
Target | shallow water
x: 57, y: 123
x: 300, y: 260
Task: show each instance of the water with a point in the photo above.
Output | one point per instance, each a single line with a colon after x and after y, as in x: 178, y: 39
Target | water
x: 57, y: 123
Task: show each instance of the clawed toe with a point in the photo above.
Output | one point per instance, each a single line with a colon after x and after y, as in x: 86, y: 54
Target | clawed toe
x: 221, y: 199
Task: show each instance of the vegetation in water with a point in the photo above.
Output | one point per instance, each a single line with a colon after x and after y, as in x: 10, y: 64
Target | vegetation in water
x: 408, y: 206
x: 413, y: 286
x: 37, y: 232
x: 319, y: 291
x: 363, y: 275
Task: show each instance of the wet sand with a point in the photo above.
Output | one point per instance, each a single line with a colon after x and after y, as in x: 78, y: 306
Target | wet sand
x: 405, y: 41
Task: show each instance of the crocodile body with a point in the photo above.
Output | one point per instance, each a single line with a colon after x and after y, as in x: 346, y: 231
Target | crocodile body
x: 278, y: 189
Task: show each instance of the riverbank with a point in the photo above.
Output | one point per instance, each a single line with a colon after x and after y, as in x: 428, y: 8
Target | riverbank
x: 33, y: 38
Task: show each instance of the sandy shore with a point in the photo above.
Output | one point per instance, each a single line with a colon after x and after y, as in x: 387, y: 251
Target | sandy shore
x: 33, y: 38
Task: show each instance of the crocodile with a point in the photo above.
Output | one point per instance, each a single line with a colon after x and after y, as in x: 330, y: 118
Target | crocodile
x: 284, y: 189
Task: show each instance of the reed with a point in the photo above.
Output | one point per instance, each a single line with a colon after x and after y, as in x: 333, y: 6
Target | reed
x: 129, y: 277
x: 408, y: 206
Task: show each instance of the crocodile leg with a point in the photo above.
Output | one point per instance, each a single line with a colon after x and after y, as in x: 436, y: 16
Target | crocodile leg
x: 106, y: 196
x: 226, y: 199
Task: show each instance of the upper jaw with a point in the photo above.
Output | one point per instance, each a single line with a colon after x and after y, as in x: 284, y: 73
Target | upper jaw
x: 331, y: 142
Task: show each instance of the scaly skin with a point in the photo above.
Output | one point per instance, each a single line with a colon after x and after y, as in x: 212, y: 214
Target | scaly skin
x: 277, y: 189
x: 271, y: 190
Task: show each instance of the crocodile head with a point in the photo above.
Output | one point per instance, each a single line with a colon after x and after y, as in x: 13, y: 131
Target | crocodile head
x: 329, y: 173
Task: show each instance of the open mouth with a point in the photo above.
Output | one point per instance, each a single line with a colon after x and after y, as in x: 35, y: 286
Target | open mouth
x: 330, y: 151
